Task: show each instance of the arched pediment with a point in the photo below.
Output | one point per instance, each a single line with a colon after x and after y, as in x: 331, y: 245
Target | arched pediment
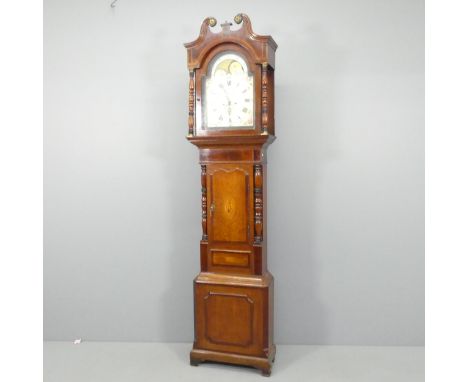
x: 261, y: 48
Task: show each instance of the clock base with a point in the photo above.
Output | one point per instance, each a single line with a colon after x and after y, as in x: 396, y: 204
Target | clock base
x: 198, y: 356
x: 234, y: 320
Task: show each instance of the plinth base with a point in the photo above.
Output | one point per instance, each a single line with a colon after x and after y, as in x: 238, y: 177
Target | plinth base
x: 198, y: 356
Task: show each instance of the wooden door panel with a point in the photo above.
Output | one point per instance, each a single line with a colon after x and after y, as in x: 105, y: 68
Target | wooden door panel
x: 229, y: 202
x: 229, y: 319
x: 222, y: 312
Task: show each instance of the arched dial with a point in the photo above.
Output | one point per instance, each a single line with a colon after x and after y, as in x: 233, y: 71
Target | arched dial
x: 228, y: 94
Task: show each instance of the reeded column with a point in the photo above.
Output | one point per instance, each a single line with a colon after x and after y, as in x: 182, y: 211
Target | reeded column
x: 258, y: 203
x: 191, y: 104
x: 264, y: 98
x: 204, y: 202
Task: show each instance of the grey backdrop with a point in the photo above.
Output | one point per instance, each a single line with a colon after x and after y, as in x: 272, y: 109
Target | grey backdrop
x: 346, y: 174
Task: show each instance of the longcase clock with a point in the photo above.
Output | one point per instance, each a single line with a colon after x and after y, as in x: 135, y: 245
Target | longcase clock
x: 231, y: 121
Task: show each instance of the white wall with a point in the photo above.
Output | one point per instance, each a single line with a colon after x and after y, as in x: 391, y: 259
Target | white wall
x: 346, y: 174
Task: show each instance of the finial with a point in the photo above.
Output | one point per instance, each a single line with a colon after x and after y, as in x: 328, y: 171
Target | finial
x: 212, y: 22
x: 238, y: 18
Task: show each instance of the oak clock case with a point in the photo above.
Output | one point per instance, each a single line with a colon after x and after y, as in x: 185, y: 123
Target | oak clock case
x: 231, y: 121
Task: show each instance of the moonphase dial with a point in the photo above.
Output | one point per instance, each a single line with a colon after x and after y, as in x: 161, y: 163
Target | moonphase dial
x: 228, y: 98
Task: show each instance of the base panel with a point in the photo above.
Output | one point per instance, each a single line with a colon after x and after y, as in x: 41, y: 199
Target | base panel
x: 198, y: 356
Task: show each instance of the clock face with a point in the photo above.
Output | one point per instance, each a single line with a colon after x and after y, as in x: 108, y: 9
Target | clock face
x: 228, y: 94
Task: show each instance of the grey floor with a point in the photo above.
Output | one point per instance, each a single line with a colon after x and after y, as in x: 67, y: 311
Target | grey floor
x: 140, y: 362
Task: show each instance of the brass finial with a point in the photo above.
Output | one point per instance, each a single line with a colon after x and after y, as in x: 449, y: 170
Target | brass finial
x: 212, y: 22
x: 238, y: 18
